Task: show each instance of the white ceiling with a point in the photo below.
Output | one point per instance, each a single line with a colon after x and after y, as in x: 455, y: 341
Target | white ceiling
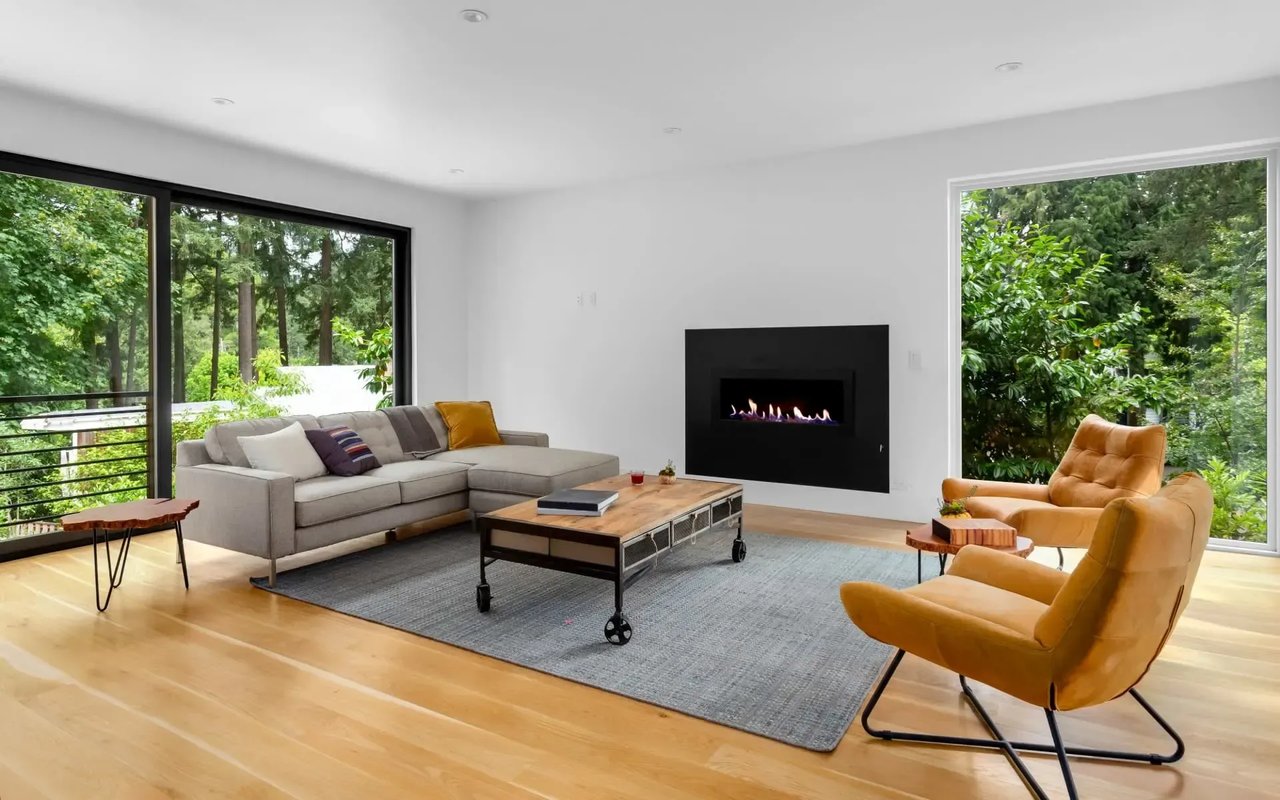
x: 551, y: 93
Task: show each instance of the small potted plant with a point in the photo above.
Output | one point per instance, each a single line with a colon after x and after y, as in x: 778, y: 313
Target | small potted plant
x: 668, y: 473
x: 958, y: 508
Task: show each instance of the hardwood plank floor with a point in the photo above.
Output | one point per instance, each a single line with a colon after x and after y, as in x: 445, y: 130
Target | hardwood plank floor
x: 229, y: 691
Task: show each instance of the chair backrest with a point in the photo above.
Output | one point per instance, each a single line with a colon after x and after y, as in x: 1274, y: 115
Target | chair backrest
x: 1112, y: 617
x: 1106, y: 461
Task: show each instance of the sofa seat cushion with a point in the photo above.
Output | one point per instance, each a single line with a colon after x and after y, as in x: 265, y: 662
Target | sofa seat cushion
x: 530, y: 471
x: 423, y: 480
x: 336, y: 497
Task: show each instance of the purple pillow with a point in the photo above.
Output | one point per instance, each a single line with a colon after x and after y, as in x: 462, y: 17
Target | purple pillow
x: 342, y: 451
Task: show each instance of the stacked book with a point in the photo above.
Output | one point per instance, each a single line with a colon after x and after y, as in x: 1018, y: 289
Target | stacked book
x: 987, y: 532
x: 577, y: 502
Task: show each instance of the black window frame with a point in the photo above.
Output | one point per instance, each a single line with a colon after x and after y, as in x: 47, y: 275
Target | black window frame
x: 165, y: 195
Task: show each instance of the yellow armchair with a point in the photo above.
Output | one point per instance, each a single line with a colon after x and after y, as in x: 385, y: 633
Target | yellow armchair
x: 1104, y: 462
x: 1055, y: 640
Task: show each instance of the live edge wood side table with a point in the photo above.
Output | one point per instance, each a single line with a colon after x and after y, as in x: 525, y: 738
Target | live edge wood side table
x: 128, y: 517
x: 923, y: 539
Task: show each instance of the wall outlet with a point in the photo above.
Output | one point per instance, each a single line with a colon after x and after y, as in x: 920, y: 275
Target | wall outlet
x: 899, y: 486
x: 913, y: 360
x: 581, y: 300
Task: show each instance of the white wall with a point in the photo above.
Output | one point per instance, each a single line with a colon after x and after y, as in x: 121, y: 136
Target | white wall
x: 850, y: 236
x: 77, y: 134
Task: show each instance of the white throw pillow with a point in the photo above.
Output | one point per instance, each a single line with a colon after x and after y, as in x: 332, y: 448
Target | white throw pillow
x: 287, y: 450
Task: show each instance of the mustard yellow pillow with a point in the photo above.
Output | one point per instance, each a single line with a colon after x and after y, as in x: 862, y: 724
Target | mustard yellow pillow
x: 470, y: 423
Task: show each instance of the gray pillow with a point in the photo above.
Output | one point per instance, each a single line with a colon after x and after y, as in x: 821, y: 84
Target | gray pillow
x: 414, y: 432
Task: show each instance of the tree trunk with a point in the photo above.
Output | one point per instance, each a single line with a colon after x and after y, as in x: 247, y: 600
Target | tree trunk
x: 246, y: 329
x: 282, y: 324
x: 131, y: 352
x: 179, y: 335
x: 325, y: 331
x: 115, y: 372
x: 216, y: 327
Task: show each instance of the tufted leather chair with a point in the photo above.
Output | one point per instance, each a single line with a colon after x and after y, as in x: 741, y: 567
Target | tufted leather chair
x: 1105, y: 461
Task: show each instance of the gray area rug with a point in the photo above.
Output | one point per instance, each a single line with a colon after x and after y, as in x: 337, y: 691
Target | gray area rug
x: 763, y: 646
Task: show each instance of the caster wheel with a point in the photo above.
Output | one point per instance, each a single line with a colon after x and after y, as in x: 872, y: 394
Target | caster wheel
x: 739, y: 550
x: 618, y: 629
x: 483, y: 597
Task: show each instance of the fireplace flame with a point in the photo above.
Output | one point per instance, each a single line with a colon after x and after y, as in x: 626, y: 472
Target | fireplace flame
x: 775, y: 414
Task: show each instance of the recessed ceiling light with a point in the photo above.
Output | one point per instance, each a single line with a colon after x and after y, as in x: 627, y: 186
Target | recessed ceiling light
x: 672, y: 131
x: 223, y: 101
x: 456, y: 171
x: 473, y: 15
x: 1009, y: 66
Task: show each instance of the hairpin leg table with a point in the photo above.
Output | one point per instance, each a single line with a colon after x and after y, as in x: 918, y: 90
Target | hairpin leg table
x: 127, y: 518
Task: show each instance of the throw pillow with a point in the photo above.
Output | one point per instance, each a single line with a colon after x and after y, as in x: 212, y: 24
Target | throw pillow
x: 287, y: 450
x: 342, y: 450
x: 415, y: 433
x: 470, y: 424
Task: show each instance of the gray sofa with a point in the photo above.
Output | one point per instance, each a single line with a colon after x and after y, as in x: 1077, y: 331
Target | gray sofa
x: 270, y: 515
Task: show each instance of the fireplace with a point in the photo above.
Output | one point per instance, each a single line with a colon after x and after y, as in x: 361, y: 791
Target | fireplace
x: 805, y: 406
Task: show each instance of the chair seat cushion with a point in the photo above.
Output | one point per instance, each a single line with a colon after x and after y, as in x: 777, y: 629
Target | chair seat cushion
x: 336, y: 497
x: 1013, y: 611
x: 423, y: 480
x: 1001, y: 508
x: 530, y: 471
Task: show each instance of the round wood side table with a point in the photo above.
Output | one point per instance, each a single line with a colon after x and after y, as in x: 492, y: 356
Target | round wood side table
x: 923, y: 540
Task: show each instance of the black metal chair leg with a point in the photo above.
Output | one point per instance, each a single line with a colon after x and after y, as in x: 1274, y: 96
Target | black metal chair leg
x: 1011, y: 749
x: 1062, y: 754
x: 1061, y: 560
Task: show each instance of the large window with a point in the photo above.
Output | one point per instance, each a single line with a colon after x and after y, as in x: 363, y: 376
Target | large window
x: 113, y: 346
x: 1142, y: 297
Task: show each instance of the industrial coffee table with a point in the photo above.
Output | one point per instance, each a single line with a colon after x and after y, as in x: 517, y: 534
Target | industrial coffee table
x: 619, y: 546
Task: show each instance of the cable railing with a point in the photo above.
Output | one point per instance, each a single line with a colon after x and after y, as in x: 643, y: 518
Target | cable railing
x: 60, y: 453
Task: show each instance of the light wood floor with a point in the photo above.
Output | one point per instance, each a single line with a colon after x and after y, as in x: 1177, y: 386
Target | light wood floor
x: 231, y: 691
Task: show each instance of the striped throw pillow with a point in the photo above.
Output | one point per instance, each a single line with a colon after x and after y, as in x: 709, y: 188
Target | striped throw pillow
x: 342, y: 450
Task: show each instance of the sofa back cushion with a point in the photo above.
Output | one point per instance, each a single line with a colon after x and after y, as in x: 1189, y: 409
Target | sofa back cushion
x: 221, y: 440
x: 376, y: 430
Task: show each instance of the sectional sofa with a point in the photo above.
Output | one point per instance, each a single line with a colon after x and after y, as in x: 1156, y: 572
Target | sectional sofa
x: 272, y: 515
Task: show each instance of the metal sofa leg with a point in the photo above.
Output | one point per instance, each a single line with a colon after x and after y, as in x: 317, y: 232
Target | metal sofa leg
x: 271, y: 576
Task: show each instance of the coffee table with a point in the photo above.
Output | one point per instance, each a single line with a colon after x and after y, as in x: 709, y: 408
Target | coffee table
x: 619, y: 546
x: 923, y: 539
x: 128, y: 518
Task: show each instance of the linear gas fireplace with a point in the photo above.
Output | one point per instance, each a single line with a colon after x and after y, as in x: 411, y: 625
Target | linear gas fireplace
x: 789, y: 405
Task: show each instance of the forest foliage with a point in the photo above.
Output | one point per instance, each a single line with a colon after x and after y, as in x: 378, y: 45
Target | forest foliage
x: 250, y: 295
x: 1140, y: 297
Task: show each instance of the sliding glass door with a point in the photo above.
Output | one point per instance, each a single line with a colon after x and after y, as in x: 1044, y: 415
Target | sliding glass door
x: 136, y: 313
x: 75, y: 350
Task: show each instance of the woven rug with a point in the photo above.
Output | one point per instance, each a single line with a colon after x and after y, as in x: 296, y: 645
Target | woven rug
x: 763, y: 646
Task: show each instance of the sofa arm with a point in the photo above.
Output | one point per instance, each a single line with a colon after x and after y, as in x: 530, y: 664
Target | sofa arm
x: 246, y: 510
x: 960, y: 488
x: 527, y: 438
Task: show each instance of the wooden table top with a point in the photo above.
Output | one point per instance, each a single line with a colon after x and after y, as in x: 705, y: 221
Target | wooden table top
x: 637, y: 510
x: 922, y: 538
x: 133, y: 514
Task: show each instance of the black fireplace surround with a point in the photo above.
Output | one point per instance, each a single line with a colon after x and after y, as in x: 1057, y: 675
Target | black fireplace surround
x: 806, y: 406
